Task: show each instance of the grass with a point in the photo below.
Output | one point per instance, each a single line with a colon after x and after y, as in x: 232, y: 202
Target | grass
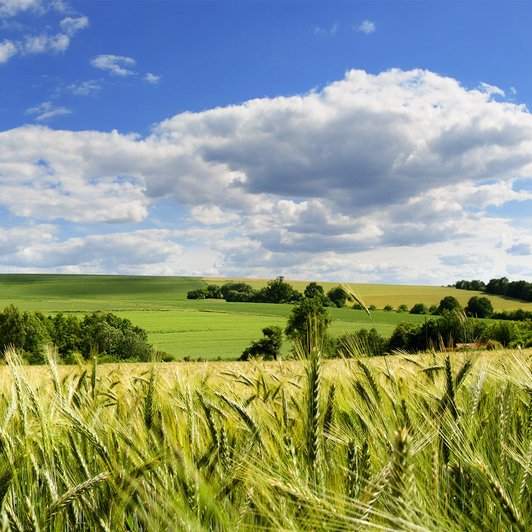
x: 431, y: 442
x: 207, y: 328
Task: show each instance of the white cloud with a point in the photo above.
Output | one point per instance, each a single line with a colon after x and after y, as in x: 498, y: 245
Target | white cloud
x: 40, y: 44
x: 491, y: 90
x: 117, y: 65
x: 395, y: 170
x: 47, y: 111
x: 84, y: 88
x: 72, y: 25
x: 367, y: 27
x: 152, y: 78
x: 7, y: 50
x: 9, y: 8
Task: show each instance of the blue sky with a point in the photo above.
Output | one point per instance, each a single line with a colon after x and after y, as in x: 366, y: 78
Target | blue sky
x: 357, y: 141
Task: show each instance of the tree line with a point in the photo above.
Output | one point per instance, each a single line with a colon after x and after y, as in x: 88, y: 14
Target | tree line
x: 452, y: 326
x: 276, y: 291
x: 99, y: 333
x: 502, y: 287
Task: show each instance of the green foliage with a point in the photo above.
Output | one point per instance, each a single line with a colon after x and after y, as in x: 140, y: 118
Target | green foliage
x: 449, y: 303
x: 402, y: 308
x: 388, y: 308
x: 419, y: 308
x: 268, y: 347
x: 229, y: 291
x: 278, y: 291
x: 108, y: 334
x: 338, y: 296
x: 471, y: 285
x: 479, y: 307
x: 303, y: 313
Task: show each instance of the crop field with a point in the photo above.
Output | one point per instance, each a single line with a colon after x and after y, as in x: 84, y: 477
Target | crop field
x: 425, y: 442
x: 207, y: 328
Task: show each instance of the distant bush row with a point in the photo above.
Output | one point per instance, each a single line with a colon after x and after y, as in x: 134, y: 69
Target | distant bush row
x: 502, y: 287
x: 98, y: 333
x: 276, y: 291
x: 452, y: 327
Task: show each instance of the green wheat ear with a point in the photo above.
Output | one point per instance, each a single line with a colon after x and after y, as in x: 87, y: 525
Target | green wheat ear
x: 353, y: 295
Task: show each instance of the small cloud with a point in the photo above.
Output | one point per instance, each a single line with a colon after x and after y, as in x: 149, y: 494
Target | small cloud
x: 85, y: 88
x: 73, y: 25
x: 318, y: 30
x: 40, y: 44
x: 491, y: 90
x: 367, y: 27
x: 152, y: 78
x: 7, y: 50
x: 9, y: 8
x: 513, y: 90
x: 117, y: 65
x: 47, y: 111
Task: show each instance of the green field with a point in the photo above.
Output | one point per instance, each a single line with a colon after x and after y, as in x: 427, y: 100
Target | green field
x: 435, y: 441
x: 207, y: 328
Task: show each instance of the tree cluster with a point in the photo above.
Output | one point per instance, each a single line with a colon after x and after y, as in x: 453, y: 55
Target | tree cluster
x: 471, y: 285
x: 276, y: 291
x: 97, y: 333
x: 515, y: 289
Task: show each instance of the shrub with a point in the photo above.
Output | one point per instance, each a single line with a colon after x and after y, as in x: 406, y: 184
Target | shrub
x: 449, y: 303
x: 419, y: 308
x: 337, y: 296
x: 388, y: 308
x: 479, y: 307
x: 268, y: 347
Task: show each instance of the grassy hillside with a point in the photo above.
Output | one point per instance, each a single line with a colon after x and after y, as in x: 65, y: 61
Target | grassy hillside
x: 208, y: 328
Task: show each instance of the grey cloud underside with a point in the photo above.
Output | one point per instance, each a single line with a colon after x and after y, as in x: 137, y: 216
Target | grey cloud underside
x: 396, y: 159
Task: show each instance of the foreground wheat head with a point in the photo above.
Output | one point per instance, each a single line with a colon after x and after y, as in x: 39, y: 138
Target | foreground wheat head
x: 307, y: 445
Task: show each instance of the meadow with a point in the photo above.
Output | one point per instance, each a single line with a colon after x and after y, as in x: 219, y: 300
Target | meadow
x: 208, y: 328
x: 425, y: 442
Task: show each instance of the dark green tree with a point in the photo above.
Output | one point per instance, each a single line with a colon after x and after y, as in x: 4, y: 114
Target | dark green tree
x: 338, y: 296
x: 449, y: 303
x: 305, y: 312
x: 268, y: 347
x: 278, y: 291
x: 479, y: 307
x: 419, y: 308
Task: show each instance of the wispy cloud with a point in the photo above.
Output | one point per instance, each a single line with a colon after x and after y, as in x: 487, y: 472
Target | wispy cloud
x: 84, y: 88
x: 118, y: 65
x: 46, y: 111
x: 73, y: 25
x: 366, y: 26
x: 331, y: 30
x: 41, y: 41
x: 10, y: 8
x: 7, y: 50
x: 152, y: 78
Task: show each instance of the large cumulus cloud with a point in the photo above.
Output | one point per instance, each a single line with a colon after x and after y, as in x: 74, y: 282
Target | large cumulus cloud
x: 311, y: 183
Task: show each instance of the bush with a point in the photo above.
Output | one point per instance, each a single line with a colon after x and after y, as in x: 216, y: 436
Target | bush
x: 402, y: 308
x: 388, y: 308
x: 279, y: 291
x: 302, y: 314
x: 449, y: 303
x: 479, y: 307
x: 337, y: 296
x: 269, y: 347
x: 419, y: 308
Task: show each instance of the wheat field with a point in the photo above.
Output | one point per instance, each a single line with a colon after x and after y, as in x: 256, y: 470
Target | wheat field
x: 429, y: 442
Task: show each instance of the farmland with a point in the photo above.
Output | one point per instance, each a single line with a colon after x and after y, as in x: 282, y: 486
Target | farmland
x: 207, y: 328
x: 430, y: 442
